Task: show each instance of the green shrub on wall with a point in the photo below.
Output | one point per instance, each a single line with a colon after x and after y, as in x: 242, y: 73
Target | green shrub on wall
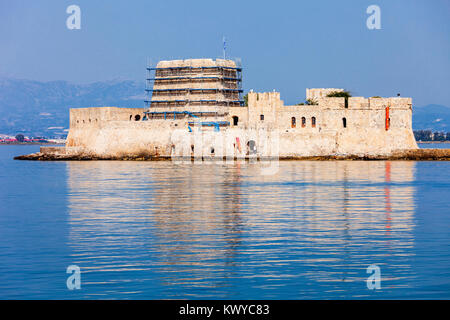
x: 337, y: 94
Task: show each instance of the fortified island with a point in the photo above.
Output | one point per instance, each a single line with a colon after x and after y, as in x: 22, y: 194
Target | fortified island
x: 195, y: 108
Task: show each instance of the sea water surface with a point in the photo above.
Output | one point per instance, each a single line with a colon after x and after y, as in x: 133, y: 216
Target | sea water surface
x: 162, y: 230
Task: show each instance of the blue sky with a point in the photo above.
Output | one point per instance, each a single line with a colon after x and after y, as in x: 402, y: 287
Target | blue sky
x: 284, y: 45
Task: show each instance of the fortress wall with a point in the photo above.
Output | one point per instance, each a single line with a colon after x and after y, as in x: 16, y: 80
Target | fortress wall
x: 333, y: 126
x: 82, y: 117
x: 265, y: 104
x: 241, y: 113
x: 156, y: 138
x: 317, y: 93
x: 365, y: 130
x: 138, y: 138
x: 358, y: 103
x: 110, y: 133
x: 85, y: 123
x: 121, y: 138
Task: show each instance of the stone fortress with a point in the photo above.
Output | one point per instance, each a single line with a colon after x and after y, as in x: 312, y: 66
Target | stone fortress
x: 195, y: 108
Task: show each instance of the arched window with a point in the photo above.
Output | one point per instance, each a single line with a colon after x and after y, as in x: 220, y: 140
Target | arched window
x: 303, y: 122
x: 313, y: 122
x: 293, y: 123
x: 344, y: 122
x: 261, y: 117
x: 235, y: 120
x: 131, y: 117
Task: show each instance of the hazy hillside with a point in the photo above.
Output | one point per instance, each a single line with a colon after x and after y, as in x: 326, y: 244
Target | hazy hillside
x: 433, y: 116
x: 42, y: 108
x: 32, y: 107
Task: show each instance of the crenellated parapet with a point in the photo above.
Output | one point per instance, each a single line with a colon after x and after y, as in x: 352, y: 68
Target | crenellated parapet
x: 196, y: 105
x: 314, y: 94
x: 88, y: 117
x: 354, y: 121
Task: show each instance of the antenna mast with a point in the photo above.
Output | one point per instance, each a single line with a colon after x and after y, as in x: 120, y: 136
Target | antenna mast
x: 224, y: 48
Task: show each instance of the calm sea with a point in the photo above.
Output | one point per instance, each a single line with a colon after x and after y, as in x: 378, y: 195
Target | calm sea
x: 159, y: 230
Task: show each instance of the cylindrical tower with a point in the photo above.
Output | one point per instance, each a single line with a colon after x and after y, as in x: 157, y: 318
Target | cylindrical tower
x: 202, y: 87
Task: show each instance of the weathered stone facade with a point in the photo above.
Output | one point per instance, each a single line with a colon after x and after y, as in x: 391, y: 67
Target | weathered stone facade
x: 373, y: 126
x: 317, y: 93
x: 359, y: 126
x: 210, y: 122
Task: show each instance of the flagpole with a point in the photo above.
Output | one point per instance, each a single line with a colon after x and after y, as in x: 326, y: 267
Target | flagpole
x: 224, y: 48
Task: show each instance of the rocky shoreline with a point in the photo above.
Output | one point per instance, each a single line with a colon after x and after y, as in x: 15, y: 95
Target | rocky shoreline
x: 413, y: 155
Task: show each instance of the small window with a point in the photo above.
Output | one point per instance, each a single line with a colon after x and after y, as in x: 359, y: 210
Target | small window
x: 346, y: 102
x: 235, y: 120
x: 261, y: 117
x: 303, y: 122
x: 131, y: 117
x: 313, y: 122
x: 293, y: 123
x: 137, y: 117
x: 344, y: 122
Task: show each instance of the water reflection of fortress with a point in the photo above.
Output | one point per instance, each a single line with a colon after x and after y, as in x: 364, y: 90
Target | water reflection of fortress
x: 206, y: 218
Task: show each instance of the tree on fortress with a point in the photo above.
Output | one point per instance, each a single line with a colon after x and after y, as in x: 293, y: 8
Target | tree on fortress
x: 20, y: 137
x: 309, y: 102
x: 337, y: 94
x: 246, y: 100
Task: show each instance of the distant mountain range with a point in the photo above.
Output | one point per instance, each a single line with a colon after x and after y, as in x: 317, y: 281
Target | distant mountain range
x: 433, y: 117
x: 42, y: 108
